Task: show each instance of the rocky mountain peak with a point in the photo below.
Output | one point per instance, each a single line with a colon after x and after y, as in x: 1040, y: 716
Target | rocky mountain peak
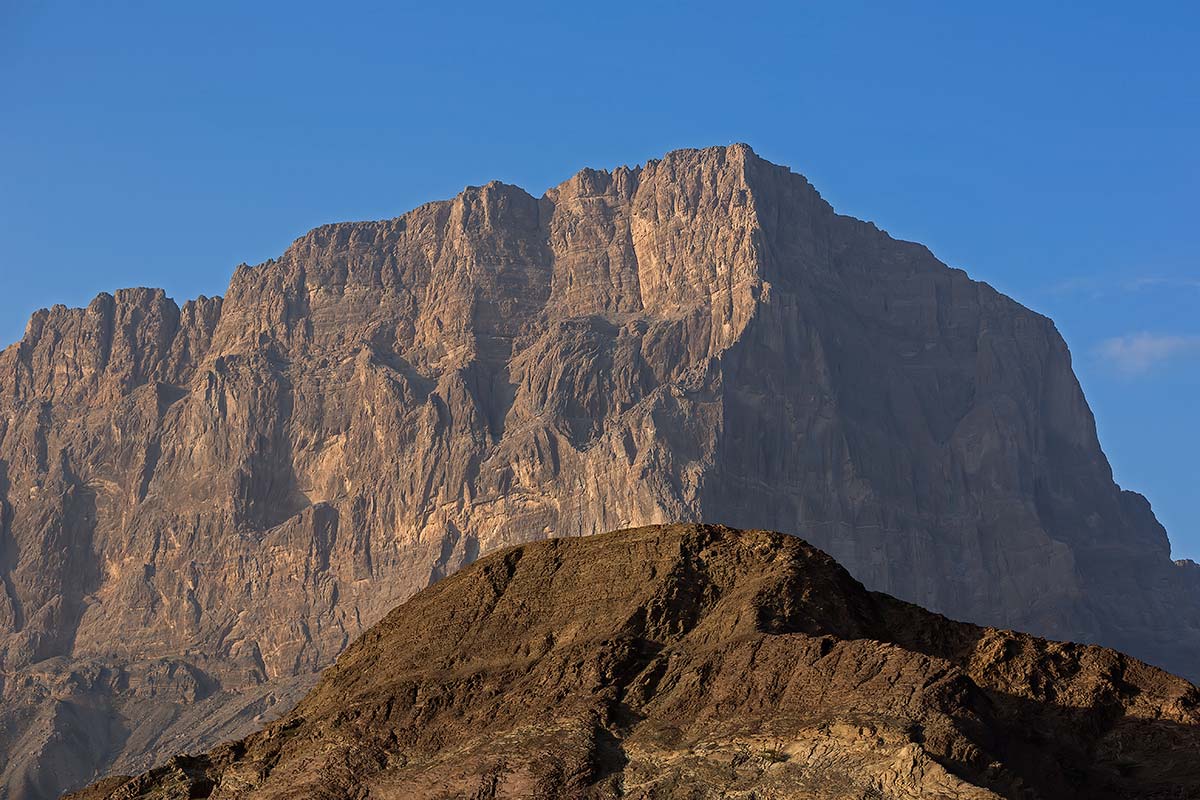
x: 200, y: 506
x: 684, y: 661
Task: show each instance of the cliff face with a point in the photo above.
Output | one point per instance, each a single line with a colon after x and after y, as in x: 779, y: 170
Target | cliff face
x: 202, y: 506
x: 698, y: 661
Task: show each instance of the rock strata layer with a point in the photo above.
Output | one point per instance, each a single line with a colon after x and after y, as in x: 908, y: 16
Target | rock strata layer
x: 698, y: 661
x: 201, y: 506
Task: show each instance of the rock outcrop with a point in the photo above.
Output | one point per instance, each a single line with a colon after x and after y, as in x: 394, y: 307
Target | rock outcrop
x: 200, y: 507
x: 694, y: 661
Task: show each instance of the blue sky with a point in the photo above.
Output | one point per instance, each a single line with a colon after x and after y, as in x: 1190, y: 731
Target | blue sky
x: 1047, y: 148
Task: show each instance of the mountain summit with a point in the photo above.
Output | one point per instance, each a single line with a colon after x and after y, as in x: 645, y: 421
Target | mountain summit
x: 699, y: 661
x: 201, y: 506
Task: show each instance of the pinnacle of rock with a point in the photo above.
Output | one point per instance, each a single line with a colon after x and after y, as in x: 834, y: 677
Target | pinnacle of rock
x: 202, y: 505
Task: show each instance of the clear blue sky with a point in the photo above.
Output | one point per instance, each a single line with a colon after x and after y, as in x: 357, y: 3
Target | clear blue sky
x: 1050, y: 149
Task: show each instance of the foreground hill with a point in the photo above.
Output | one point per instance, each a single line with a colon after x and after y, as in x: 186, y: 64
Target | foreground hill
x: 699, y: 661
x: 200, y: 506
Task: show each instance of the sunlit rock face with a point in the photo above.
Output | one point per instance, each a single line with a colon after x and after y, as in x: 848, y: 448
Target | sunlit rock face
x: 201, y: 506
x: 686, y: 661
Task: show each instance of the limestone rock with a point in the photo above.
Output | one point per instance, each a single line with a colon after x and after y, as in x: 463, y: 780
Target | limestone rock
x: 696, y: 661
x: 206, y: 504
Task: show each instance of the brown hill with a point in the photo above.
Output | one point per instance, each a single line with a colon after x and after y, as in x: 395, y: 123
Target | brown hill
x: 201, y: 506
x: 697, y: 661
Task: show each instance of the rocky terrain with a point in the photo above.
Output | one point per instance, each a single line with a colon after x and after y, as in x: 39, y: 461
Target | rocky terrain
x: 693, y: 661
x: 201, y: 506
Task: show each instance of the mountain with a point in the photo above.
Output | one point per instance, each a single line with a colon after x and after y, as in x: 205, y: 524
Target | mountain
x: 200, y: 507
x: 698, y: 661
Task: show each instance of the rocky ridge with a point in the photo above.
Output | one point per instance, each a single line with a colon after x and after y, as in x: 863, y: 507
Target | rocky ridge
x: 699, y: 661
x: 201, y: 506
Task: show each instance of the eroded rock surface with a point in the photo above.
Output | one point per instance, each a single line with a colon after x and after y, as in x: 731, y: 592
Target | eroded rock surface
x: 701, y: 662
x: 200, y: 507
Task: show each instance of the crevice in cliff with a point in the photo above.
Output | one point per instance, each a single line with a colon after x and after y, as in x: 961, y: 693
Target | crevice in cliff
x: 8, y: 553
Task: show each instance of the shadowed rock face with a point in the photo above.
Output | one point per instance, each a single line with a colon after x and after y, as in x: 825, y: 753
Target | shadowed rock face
x: 696, y: 661
x: 200, y: 507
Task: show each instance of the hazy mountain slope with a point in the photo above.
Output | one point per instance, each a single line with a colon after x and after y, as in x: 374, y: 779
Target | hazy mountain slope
x: 697, y: 661
x: 206, y: 504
